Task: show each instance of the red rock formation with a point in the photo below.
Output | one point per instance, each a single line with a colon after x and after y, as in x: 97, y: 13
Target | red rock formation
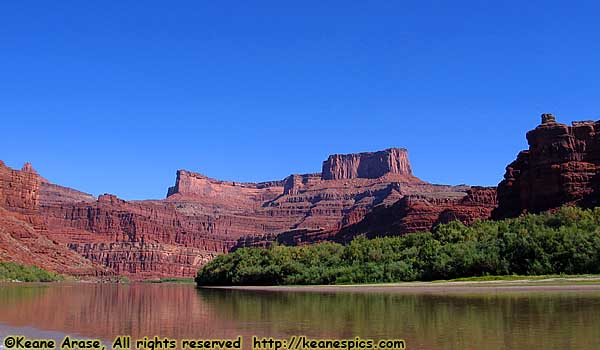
x: 146, y: 260
x: 294, y: 184
x: 420, y: 213
x: 202, y: 217
x: 368, y: 165
x: 476, y: 205
x: 23, y: 237
x: 19, y: 190
x: 55, y: 194
x: 561, y: 167
x: 141, y: 239
x: 196, y: 186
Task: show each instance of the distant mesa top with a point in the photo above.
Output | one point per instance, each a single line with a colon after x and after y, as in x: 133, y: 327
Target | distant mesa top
x: 367, y: 165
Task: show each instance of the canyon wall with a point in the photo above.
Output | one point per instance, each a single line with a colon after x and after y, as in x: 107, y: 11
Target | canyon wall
x: 23, y: 233
x: 365, y: 194
x: 422, y: 212
x: 203, y: 217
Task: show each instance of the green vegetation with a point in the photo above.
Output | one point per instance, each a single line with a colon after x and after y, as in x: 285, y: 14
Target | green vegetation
x: 564, y: 242
x: 14, y: 272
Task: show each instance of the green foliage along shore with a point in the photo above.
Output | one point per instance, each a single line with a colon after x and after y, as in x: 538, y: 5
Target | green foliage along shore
x: 564, y: 242
x: 10, y: 272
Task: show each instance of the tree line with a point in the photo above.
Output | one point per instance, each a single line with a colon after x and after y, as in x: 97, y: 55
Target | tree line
x: 566, y: 241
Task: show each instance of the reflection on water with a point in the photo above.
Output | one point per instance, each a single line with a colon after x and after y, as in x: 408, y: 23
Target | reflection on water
x: 521, y: 320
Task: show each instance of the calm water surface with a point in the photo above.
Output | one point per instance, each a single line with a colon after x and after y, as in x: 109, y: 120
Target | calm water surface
x: 506, y: 320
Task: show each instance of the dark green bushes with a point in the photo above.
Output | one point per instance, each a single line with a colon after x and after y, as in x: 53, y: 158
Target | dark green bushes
x: 14, y: 272
x: 565, y: 242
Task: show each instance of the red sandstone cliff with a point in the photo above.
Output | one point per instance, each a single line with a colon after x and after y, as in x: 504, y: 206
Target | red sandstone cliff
x: 420, y: 213
x: 368, y: 165
x: 19, y: 190
x: 202, y: 217
x: 23, y: 233
x: 561, y: 166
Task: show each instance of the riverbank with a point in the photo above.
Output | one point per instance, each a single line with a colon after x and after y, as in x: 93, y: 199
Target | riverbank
x: 541, y: 284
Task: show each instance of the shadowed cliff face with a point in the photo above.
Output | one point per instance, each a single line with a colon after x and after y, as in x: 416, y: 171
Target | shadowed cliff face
x: 560, y: 167
x: 420, y: 213
x: 202, y: 217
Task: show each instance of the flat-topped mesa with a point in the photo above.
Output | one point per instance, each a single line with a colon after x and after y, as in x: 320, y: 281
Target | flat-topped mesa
x: 189, y: 183
x: 367, y: 165
x: 194, y: 186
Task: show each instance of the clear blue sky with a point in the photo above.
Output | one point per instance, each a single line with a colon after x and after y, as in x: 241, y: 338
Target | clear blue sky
x: 115, y: 97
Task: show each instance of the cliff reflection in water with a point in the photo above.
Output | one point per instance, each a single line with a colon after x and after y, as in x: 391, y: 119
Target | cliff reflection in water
x: 547, y: 320
x: 107, y: 310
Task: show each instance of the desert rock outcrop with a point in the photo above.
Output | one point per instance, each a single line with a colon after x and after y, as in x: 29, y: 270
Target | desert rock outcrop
x: 560, y: 167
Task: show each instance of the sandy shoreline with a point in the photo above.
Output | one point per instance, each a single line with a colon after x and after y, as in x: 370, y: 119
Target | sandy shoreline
x: 545, y: 285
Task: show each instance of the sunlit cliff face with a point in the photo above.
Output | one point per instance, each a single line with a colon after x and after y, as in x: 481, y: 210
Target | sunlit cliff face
x: 202, y: 217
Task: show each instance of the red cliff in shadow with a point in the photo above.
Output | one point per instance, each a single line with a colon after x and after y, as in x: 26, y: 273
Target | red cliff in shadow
x: 560, y: 167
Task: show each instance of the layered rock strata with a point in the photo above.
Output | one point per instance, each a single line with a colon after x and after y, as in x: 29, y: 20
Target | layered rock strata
x: 24, y: 236
x: 560, y: 167
x: 202, y: 217
x: 368, y: 165
x: 422, y: 212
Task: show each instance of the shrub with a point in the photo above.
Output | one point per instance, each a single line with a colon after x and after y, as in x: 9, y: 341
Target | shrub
x: 10, y: 271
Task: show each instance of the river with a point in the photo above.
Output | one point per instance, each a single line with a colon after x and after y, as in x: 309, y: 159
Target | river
x: 551, y: 319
